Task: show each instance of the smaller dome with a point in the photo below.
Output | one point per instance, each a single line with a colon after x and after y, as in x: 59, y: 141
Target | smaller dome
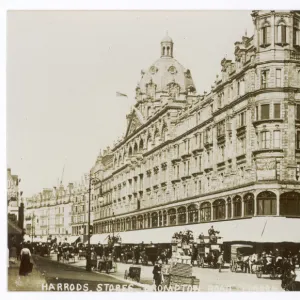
x: 167, y: 39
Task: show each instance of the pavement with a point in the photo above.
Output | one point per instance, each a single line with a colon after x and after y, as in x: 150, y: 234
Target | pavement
x: 210, y: 279
x: 32, y: 282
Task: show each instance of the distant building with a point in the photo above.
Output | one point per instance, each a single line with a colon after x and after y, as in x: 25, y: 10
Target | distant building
x: 13, y: 196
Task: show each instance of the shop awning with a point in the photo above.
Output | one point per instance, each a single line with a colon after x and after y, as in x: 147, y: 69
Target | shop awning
x: 257, y: 229
x: 13, y: 228
x: 72, y: 239
x: 99, y: 238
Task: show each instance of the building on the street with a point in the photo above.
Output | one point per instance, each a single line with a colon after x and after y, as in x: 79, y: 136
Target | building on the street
x: 48, y: 214
x: 13, y: 195
x: 80, y: 209
x: 228, y: 155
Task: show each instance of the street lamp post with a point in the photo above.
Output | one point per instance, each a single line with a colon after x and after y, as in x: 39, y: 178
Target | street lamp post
x: 88, y: 258
x: 32, y: 220
x: 113, y: 224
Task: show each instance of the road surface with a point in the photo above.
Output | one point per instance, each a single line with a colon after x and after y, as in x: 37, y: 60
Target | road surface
x: 63, y: 277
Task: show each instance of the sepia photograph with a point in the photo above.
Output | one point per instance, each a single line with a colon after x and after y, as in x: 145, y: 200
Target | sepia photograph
x: 153, y: 151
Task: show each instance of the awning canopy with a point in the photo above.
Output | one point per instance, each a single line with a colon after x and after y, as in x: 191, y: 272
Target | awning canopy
x: 13, y: 228
x: 99, y: 238
x: 258, y: 229
x: 72, y: 239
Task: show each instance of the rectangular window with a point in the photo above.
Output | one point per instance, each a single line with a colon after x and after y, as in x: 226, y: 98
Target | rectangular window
x: 298, y: 140
x: 265, y: 111
x: 265, y: 140
x: 264, y: 79
x: 276, y: 111
x: 256, y: 113
x: 278, y: 77
x: 298, y: 112
x: 276, y: 139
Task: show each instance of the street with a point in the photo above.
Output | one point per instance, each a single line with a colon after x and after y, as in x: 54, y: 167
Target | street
x: 63, y: 277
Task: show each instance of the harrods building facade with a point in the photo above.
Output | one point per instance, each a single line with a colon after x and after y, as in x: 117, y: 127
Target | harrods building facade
x: 231, y: 153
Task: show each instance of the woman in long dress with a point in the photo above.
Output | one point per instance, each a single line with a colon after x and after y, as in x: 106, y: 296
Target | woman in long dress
x: 25, y: 266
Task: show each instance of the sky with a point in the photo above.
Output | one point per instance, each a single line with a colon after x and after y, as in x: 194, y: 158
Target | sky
x: 65, y: 67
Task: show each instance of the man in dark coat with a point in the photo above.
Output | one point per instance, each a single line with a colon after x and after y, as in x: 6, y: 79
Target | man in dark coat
x: 157, y: 275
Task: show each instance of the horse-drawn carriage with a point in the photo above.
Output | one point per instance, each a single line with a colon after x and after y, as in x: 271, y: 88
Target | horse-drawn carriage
x: 272, y: 267
x: 150, y: 253
x: 240, y: 255
x: 67, y: 254
x: 106, y: 264
x: 207, y: 253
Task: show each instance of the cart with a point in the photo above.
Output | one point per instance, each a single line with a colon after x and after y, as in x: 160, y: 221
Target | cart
x: 106, y: 264
x: 179, y: 275
x: 134, y: 273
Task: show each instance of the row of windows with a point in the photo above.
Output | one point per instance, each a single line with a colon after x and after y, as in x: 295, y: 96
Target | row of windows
x: 268, y: 111
x: 281, y: 35
x: 266, y: 204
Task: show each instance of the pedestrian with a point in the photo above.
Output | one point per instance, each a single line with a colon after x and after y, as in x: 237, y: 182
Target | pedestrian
x: 220, y: 261
x: 157, y: 275
x: 13, y: 254
x: 26, y: 265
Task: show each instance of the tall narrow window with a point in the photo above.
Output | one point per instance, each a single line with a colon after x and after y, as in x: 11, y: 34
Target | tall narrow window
x: 276, y: 111
x: 296, y: 36
x: 278, y: 77
x: 265, y: 112
x: 276, y: 139
x: 298, y: 112
x: 264, y: 79
x: 298, y: 140
x: 256, y: 113
x: 265, y: 35
x: 265, y: 140
x: 281, y: 33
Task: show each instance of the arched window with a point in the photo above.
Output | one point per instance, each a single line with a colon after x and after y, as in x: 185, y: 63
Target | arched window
x: 135, y: 149
x: 172, y: 216
x: 130, y: 151
x: 249, y: 204
x: 154, y: 218
x: 229, y: 207
x: 149, y: 142
x: 164, y: 218
x: 290, y: 204
x: 156, y: 138
x: 168, y: 50
x: 181, y: 215
x: 133, y: 222
x: 237, y: 206
x: 128, y: 224
x: 141, y: 146
x: 164, y: 49
x: 164, y: 134
x: 265, y: 35
x: 219, y: 209
x: 266, y: 203
x: 140, y: 222
x: 193, y: 213
x: 118, y: 225
x: 281, y: 33
x: 205, y: 211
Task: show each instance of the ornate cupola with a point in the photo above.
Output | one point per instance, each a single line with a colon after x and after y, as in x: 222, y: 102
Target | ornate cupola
x: 166, y: 46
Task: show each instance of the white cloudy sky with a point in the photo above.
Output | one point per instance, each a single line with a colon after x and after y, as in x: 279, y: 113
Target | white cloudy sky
x: 64, y: 68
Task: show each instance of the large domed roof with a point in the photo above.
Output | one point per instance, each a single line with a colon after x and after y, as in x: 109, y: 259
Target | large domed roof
x: 166, y: 71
